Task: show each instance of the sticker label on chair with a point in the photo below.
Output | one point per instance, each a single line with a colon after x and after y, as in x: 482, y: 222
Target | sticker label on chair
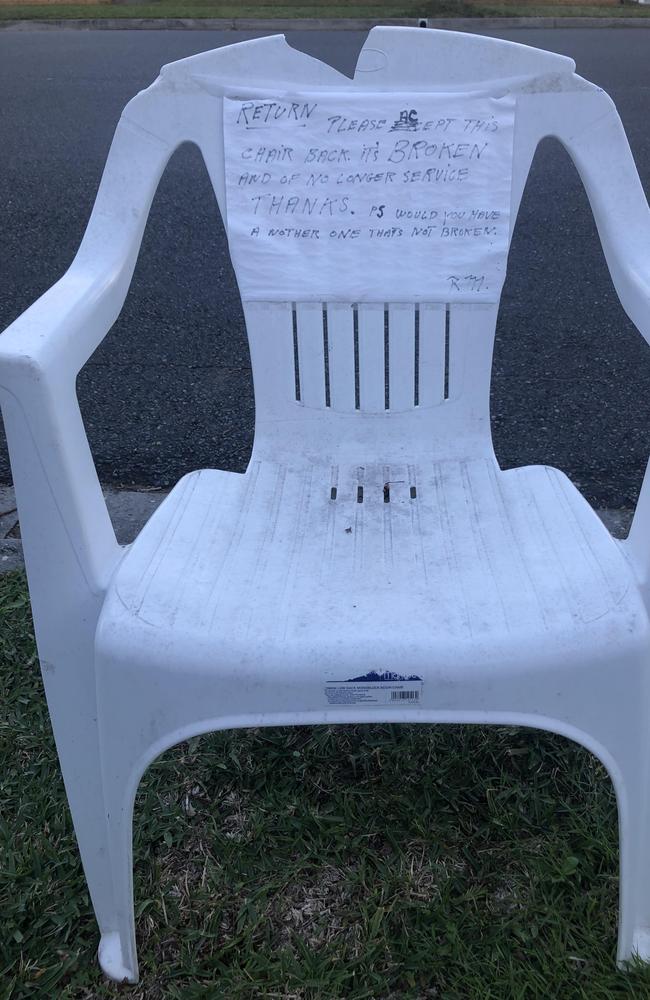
x: 369, y: 197
x: 373, y: 688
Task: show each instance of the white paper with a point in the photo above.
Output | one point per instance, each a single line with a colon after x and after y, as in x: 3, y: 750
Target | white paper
x: 369, y: 197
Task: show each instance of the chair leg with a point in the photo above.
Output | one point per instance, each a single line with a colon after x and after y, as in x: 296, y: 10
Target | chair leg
x: 80, y: 758
x: 101, y: 813
x: 633, y: 795
x: 616, y: 715
x: 117, y: 951
x: 84, y: 786
x: 150, y: 719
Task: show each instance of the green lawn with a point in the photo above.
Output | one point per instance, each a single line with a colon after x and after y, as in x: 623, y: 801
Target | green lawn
x: 377, y: 862
x: 324, y: 8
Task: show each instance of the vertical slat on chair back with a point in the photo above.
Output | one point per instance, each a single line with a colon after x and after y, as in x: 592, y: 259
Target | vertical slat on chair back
x: 371, y: 357
x: 313, y: 360
x: 341, y: 356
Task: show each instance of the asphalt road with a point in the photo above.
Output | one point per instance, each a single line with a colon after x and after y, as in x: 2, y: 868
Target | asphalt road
x: 170, y: 388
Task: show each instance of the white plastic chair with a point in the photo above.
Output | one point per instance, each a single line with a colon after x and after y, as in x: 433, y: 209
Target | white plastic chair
x: 361, y: 537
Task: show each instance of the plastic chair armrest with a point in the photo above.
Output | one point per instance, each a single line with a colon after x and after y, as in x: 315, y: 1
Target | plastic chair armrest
x: 603, y: 158
x: 42, y: 352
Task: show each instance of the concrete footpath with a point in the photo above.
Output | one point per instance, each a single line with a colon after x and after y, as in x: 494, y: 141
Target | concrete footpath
x: 131, y: 509
x: 271, y: 25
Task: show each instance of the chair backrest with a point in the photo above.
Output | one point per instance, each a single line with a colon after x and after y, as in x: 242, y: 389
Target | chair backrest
x: 339, y: 378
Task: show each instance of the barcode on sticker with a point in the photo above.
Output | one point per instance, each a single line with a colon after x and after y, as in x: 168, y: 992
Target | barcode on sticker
x: 404, y: 695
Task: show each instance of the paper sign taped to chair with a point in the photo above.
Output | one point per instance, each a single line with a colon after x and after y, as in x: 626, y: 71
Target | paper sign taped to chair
x: 369, y: 197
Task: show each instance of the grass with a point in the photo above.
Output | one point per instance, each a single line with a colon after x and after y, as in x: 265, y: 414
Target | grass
x: 377, y: 862
x: 324, y: 8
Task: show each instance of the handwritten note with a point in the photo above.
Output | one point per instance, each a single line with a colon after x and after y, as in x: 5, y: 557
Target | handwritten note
x: 369, y: 197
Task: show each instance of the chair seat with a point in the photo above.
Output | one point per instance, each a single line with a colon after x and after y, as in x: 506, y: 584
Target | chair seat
x: 432, y: 569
